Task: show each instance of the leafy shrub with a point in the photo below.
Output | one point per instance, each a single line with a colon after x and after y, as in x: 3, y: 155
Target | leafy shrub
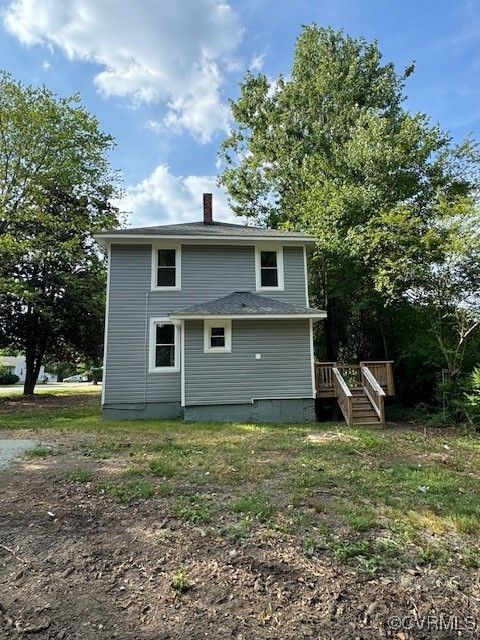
x: 8, y: 378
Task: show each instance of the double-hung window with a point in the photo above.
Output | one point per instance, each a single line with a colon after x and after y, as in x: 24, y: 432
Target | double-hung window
x: 269, y: 268
x: 164, y: 345
x: 217, y: 336
x: 166, y: 268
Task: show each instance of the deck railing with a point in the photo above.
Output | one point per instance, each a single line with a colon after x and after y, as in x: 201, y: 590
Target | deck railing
x: 374, y: 391
x: 324, y: 375
x: 343, y: 394
x: 382, y: 371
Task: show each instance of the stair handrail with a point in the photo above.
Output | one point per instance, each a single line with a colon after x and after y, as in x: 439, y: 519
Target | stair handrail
x: 374, y: 392
x: 344, y: 395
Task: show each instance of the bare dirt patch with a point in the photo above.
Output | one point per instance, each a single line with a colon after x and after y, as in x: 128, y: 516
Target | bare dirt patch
x: 75, y: 564
x: 45, y: 401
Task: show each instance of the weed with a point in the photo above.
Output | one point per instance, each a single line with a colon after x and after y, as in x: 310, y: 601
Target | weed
x: 369, y: 557
x: 361, y: 518
x: 180, y: 581
x: 134, y: 472
x: 162, y: 468
x: 343, y: 551
x: 81, y: 475
x: 431, y: 555
x: 256, y: 505
x: 309, y: 546
x: 164, y: 489
x: 468, y: 524
x: 128, y: 491
x: 165, y: 535
x: 470, y: 559
x: 40, y: 452
x: 193, y: 508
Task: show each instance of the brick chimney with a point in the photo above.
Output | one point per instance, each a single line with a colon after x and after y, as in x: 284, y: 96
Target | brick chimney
x: 207, y: 208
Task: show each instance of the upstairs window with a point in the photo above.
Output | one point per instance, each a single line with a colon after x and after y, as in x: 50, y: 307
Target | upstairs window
x: 269, y: 268
x: 164, y: 345
x: 166, y: 268
x: 218, y: 336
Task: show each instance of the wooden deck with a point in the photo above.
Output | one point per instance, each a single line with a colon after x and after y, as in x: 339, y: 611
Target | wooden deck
x: 359, y: 388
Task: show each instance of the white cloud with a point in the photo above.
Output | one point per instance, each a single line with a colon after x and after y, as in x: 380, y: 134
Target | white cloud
x: 154, y: 126
x: 257, y: 62
x: 155, y: 50
x: 164, y: 198
x: 46, y: 65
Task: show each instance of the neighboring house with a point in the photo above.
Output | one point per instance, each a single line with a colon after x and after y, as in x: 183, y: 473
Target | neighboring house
x: 210, y: 321
x: 17, y: 366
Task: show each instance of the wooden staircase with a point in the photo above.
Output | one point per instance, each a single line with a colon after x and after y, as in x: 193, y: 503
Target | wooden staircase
x: 360, y: 389
x: 363, y: 411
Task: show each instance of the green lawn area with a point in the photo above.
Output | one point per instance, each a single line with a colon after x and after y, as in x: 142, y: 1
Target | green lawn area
x: 53, y: 389
x: 377, y: 500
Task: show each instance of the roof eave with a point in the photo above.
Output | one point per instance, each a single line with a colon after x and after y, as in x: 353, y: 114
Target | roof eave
x: 105, y: 240
x: 250, y: 316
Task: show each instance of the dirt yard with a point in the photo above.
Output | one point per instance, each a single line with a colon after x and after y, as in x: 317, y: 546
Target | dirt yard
x: 156, y: 531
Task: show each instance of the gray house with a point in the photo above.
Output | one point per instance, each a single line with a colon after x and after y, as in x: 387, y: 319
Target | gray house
x: 210, y: 321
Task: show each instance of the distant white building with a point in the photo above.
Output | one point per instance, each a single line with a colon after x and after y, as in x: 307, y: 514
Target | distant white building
x: 18, y: 366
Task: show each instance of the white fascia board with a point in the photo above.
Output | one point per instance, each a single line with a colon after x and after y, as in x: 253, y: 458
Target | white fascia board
x: 281, y: 316
x: 105, y: 240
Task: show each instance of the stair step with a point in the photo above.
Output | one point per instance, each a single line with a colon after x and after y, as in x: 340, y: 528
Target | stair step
x: 372, y: 421
x: 365, y: 414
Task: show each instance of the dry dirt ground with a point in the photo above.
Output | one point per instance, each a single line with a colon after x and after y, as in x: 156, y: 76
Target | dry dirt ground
x: 75, y: 563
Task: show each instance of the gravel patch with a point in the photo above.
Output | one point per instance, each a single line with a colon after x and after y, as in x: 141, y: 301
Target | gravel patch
x: 14, y: 448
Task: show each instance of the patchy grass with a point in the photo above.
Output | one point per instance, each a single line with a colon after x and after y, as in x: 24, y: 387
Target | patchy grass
x: 162, y: 468
x: 256, y: 505
x: 81, y: 475
x: 134, y: 471
x: 128, y: 491
x: 371, y: 498
x: 40, y: 452
x: 193, y: 508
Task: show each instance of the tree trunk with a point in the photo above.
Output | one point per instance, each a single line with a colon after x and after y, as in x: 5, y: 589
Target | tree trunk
x: 328, y: 333
x: 34, y: 353
x: 30, y: 377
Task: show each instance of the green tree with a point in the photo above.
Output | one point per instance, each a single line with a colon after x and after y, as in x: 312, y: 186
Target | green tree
x: 56, y: 187
x: 331, y: 150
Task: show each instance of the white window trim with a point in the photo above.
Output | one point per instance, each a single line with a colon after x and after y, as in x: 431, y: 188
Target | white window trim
x: 178, y: 265
x: 258, y: 279
x: 105, y: 331
x: 152, y: 344
x: 207, y: 327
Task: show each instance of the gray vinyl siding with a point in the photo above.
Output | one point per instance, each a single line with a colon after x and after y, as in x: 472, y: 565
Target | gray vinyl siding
x: 207, y: 272
x: 284, y: 370
x: 213, y: 271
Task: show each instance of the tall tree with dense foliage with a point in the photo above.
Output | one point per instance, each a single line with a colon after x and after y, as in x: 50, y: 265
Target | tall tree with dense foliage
x: 56, y: 187
x: 332, y: 150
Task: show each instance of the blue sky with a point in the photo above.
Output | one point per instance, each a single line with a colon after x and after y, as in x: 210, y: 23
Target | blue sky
x: 158, y: 74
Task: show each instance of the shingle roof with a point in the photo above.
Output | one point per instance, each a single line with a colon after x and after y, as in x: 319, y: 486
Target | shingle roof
x: 245, y: 303
x: 220, y: 229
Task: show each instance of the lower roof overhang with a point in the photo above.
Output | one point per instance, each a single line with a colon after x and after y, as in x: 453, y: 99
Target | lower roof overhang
x: 266, y: 316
